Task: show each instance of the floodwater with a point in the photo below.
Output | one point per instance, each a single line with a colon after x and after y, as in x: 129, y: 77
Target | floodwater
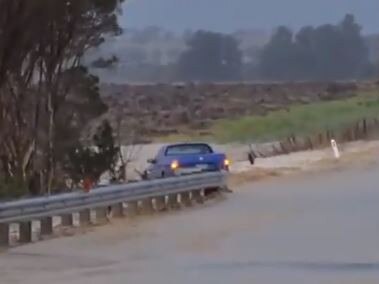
x: 320, y: 228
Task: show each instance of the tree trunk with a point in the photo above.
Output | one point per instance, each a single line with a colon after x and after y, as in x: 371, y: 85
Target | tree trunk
x: 50, y: 155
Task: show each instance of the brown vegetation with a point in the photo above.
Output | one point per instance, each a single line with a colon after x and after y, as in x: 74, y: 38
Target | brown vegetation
x: 160, y: 110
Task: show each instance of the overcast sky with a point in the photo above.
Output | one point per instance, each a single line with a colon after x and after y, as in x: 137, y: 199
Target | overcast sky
x: 231, y: 15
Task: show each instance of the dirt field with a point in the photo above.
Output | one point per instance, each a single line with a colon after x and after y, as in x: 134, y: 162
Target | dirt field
x: 153, y: 111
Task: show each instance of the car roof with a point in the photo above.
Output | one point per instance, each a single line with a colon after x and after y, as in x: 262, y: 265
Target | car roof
x: 187, y: 143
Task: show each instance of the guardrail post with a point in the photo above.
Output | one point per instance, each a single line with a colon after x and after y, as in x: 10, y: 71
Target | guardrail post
x: 101, y: 215
x: 147, y: 206
x: 67, y: 220
x: 25, y: 232
x: 46, y: 226
x: 186, y: 198
x: 132, y: 208
x: 118, y: 210
x: 196, y: 195
x: 160, y: 203
x: 85, y: 217
x: 4, y: 234
x: 172, y: 202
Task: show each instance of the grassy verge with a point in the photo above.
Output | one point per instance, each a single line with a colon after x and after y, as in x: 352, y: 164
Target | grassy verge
x: 300, y: 120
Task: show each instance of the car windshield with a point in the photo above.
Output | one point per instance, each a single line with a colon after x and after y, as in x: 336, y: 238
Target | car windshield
x: 188, y: 149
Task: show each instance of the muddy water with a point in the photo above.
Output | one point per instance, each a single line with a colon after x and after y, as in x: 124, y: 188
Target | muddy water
x: 315, y: 229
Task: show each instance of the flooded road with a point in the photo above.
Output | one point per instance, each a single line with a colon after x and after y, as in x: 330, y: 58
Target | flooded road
x: 321, y: 228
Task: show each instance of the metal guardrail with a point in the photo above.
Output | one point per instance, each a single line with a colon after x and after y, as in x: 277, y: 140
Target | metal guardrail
x: 37, y: 208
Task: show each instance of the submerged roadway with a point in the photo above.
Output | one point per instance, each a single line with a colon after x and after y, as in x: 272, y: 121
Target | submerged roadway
x: 319, y: 228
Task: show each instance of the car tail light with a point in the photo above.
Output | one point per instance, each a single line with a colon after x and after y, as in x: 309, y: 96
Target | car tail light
x: 226, y: 164
x: 174, y: 165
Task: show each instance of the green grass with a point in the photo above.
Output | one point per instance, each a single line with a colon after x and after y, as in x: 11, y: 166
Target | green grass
x: 299, y: 120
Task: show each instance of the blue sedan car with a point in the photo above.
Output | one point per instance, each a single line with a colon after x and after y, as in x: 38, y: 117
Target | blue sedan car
x: 184, y: 159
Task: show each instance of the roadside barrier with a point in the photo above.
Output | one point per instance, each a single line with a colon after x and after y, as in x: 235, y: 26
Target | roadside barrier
x: 144, y: 197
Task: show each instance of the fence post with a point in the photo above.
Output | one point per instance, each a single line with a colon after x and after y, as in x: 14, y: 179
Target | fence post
x: 365, y: 131
x: 336, y: 151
